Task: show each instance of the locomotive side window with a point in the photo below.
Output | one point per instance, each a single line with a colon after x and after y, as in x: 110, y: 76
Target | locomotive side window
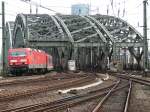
x: 18, y: 53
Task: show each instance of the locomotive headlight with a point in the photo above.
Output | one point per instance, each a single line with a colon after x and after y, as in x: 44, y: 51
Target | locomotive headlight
x: 13, y: 61
x: 23, y: 60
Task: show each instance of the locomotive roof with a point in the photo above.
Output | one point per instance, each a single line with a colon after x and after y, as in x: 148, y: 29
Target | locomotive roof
x: 18, y: 49
x: 26, y: 49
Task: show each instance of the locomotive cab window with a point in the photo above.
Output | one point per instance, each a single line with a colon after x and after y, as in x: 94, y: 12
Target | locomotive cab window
x: 18, y: 53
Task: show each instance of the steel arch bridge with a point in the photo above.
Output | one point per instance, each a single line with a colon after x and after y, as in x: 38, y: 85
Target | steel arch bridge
x: 90, y: 40
x: 9, y: 33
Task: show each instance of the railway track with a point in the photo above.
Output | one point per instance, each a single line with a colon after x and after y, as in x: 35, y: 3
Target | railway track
x: 115, y: 101
x: 134, y: 79
x: 113, y: 93
x: 60, y: 85
x: 9, y: 82
x: 67, y: 102
x: 27, y: 84
x: 54, y: 103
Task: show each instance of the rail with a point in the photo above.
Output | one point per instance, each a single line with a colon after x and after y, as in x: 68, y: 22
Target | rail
x: 46, y: 88
x: 105, y: 98
x: 128, y: 97
x: 65, y: 102
x: 134, y: 79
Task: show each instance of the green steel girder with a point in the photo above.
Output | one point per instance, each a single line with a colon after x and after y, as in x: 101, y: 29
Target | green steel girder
x: 9, y: 33
x: 59, y: 28
x: 118, y: 26
x: 8, y: 39
x: 61, y: 32
x: 97, y: 30
x: 65, y: 28
x: 102, y: 28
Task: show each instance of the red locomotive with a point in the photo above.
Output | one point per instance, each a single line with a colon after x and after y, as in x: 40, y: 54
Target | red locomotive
x: 28, y: 59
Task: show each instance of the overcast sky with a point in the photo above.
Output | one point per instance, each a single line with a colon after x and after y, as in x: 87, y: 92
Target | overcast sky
x: 133, y: 9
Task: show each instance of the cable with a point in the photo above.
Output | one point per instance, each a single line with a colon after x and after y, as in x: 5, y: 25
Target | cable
x: 139, y: 5
x: 59, y: 6
x: 124, y: 9
x: 136, y: 13
x: 35, y: 4
x: 10, y: 11
x: 111, y: 2
x: 12, y: 4
x: 10, y: 14
x: 48, y: 8
x: 136, y: 7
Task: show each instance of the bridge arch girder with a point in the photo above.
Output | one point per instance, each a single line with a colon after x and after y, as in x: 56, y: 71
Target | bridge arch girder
x: 75, y: 32
x: 119, y: 29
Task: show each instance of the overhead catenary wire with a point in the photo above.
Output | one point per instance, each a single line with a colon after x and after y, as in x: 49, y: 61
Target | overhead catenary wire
x: 58, y: 6
x: 136, y: 7
x: 119, y: 9
x: 14, y: 15
x: 17, y: 5
x: 11, y: 12
x: 139, y: 5
x: 39, y: 5
x: 124, y: 10
x: 111, y: 3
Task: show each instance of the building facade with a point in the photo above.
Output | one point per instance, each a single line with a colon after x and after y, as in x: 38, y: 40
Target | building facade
x: 80, y: 9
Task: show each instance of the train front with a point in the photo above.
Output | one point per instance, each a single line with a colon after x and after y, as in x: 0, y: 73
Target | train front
x: 18, y: 60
